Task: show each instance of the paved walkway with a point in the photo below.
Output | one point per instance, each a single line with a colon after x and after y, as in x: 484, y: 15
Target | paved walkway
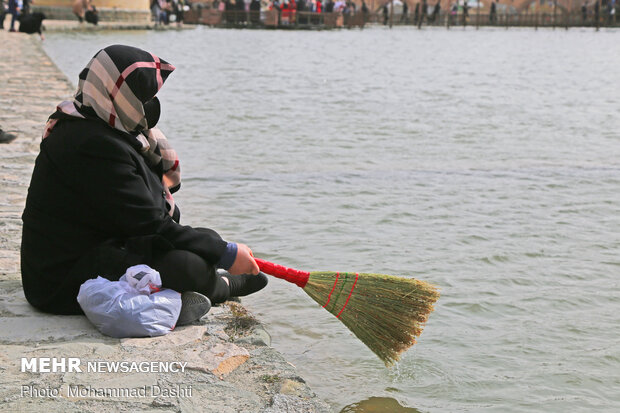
x: 230, y: 365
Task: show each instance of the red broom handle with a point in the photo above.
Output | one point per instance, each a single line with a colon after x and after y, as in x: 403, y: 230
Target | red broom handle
x: 289, y: 274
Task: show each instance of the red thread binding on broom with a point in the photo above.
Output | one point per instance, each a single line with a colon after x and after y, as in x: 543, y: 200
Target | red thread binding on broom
x: 291, y: 275
x: 350, y: 293
x: 329, y: 297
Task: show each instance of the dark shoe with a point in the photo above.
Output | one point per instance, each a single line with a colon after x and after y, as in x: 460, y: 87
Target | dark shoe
x: 246, y: 284
x: 193, y: 307
x: 6, y: 137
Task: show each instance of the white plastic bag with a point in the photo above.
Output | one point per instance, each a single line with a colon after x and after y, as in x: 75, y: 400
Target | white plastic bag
x: 134, y: 306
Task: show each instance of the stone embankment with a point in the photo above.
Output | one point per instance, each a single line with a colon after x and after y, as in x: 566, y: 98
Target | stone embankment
x: 75, y: 26
x: 226, y: 358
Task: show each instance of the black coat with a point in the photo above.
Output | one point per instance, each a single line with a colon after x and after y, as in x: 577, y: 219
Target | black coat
x: 31, y: 23
x: 90, y: 185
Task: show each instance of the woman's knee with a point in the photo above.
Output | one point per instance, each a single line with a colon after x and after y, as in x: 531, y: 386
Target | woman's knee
x: 185, y: 271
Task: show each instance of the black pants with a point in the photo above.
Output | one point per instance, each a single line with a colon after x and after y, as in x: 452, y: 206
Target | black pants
x: 179, y: 270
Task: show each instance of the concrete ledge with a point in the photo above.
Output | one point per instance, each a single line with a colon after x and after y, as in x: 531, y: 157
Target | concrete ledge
x: 220, y: 370
x: 228, y: 365
x: 105, y: 14
x: 74, y: 25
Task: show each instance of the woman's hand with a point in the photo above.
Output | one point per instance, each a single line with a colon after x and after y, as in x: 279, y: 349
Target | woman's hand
x: 244, y: 262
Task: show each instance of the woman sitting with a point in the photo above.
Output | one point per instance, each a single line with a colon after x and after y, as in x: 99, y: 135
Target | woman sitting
x: 100, y: 196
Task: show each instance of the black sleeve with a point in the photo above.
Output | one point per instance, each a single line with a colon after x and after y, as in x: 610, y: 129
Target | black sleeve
x: 116, y: 189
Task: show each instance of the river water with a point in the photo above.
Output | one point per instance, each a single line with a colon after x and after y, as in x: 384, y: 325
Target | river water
x: 486, y: 162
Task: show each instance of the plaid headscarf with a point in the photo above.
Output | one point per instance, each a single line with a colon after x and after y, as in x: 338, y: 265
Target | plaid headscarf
x: 119, y: 86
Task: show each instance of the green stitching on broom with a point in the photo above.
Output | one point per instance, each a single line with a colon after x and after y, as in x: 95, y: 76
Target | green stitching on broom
x: 335, y: 301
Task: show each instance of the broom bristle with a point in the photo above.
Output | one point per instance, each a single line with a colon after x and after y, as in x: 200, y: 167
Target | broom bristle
x: 385, y: 312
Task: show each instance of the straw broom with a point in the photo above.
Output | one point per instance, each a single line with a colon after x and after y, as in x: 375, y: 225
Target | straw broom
x: 385, y: 312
